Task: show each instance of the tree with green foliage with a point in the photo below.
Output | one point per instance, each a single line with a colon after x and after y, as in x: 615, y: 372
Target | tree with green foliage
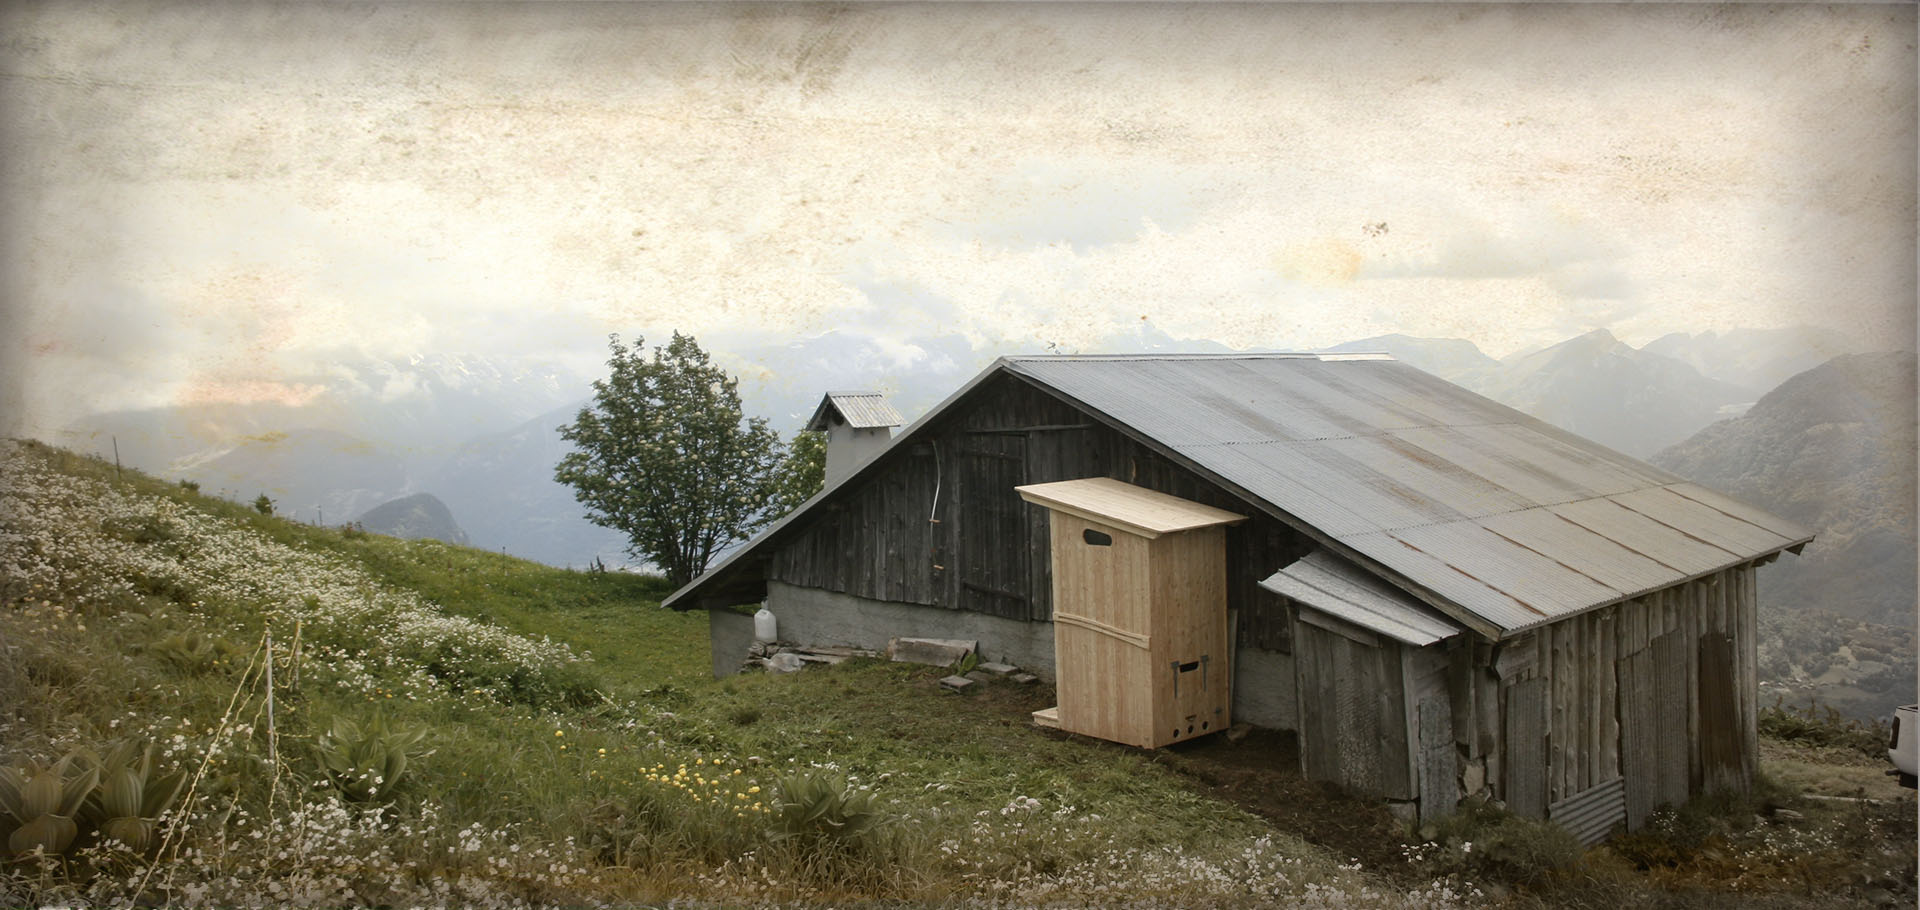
x: 263, y: 504
x: 804, y: 472
x: 664, y: 455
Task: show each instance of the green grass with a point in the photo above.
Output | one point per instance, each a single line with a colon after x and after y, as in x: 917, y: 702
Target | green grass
x: 576, y: 765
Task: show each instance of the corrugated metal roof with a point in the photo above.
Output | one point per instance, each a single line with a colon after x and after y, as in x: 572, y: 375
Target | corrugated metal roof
x: 1336, y: 587
x: 1501, y: 519
x: 860, y: 410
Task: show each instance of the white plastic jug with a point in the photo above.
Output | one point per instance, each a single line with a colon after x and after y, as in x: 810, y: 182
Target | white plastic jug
x: 765, y: 627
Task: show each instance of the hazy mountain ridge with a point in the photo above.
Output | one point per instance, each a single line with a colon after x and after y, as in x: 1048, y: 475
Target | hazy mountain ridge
x: 503, y: 482
x: 1628, y: 399
x: 421, y: 516
x: 309, y: 473
x: 1833, y: 449
x: 1599, y: 387
x: 1753, y: 358
x: 413, y: 426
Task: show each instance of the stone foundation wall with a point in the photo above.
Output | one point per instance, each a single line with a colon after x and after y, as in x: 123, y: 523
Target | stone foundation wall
x: 1264, y: 689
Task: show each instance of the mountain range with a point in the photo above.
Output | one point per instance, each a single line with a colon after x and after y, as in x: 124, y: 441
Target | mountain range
x: 481, y: 435
x: 1832, y: 448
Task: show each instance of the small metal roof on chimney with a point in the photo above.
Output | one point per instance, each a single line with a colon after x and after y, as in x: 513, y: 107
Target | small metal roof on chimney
x: 860, y: 410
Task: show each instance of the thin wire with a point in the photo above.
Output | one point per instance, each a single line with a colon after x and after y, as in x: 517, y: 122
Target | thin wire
x: 186, y: 804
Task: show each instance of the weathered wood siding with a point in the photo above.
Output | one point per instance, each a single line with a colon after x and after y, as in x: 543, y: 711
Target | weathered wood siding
x: 939, y: 522
x: 1658, y: 690
x: 1353, y: 709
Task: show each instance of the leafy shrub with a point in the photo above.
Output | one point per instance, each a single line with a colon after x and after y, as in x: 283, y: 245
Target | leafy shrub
x: 190, y: 486
x: 1677, y: 835
x: 813, y: 808
x: 1484, y: 840
x: 131, y: 796
x: 140, y: 528
x: 364, y: 762
x: 40, y: 800
x: 263, y: 504
x: 194, y: 652
x: 1821, y: 725
x: 53, y: 808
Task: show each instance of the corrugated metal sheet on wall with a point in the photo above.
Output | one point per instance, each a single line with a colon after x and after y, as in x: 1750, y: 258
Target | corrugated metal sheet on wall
x: 1591, y: 814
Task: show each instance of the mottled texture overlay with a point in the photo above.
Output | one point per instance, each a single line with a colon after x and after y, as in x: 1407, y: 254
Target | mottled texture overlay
x: 207, y: 202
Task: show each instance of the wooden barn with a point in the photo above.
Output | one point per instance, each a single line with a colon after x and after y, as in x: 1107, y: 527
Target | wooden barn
x: 1441, y: 596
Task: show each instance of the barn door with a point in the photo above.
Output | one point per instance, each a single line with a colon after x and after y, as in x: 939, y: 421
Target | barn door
x: 1353, y: 728
x: 990, y: 525
x: 1653, y: 726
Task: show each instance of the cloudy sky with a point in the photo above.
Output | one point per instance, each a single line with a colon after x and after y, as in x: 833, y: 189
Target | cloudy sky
x: 207, y: 202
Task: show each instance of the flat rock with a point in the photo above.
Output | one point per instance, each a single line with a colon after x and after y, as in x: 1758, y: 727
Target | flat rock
x: 996, y: 669
x: 935, y: 652
x: 957, y: 683
x: 1025, y: 679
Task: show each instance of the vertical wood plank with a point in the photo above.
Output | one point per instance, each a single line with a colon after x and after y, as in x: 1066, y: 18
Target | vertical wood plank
x: 1439, y: 772
x: 1673, y: 700
x: 1639, y: 736
x: 1721, y: 738
x: 1526, y: 748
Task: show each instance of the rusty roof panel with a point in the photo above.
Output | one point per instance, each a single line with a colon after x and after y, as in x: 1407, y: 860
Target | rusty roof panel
x: 1688, y: 556
x: 1450, y: 486
x: 1479, y: 455
x: 1381, y: 499
x: 1409, y: 393
x: 1493, y: 608
x: 1740, y: 510
x: 1546, y: 588
x: 1699, y: 520
x: 1270, y: 477
x: 1524, y: 449
x: 1607, y: 561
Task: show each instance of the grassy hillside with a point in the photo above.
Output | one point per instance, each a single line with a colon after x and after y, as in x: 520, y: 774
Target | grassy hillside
x: 441, y: 726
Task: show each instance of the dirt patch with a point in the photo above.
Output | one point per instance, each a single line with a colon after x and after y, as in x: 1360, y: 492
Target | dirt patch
x: 1259, y: 773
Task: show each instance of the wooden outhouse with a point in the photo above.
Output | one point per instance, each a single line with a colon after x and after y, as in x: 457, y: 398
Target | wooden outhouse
x: 1140, y: 636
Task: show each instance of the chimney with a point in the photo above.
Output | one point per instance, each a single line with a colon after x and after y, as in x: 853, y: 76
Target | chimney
x: 858, y: 425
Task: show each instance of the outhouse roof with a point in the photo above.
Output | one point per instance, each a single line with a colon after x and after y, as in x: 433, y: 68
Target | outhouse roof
x: 1148, y: 513
x: 1337, y: 588
x: 860, y: 410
